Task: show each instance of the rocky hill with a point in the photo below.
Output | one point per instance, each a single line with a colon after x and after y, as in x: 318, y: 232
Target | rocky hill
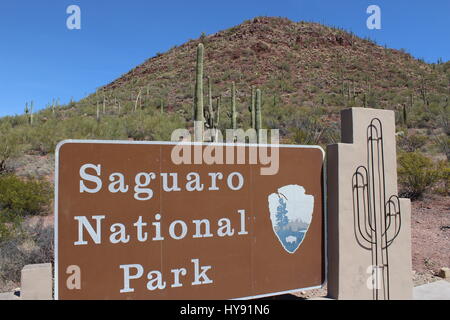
x: 306, y: 71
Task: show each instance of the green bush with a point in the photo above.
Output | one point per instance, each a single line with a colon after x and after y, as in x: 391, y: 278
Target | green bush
x: 416, y: 173
x: 412, y: 143
x: 444, y: 177
x: 443, y: 144
x: 8, y: 226
x: 9, y: 146
x: 23, y: 197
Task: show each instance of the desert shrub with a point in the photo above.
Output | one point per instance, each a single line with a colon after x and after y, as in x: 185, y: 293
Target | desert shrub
x: 336, y: 99
x: 443, y: 120
x: 23, y: 197
x: 9, y: 225
x: 423, y: 119
x: 417, y: 173
x: 443, y: 143
x: 9, y: 147
x: 412, y: 143
x: 33, y: 244
x: 308, y: 131
x: 444, y: 178
x: 373, y: 100
x: 43, y: 139
x: 153, y: 128
x: 332, y: 134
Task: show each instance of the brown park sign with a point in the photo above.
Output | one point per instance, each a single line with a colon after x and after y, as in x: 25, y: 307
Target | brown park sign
x: 133, y: 222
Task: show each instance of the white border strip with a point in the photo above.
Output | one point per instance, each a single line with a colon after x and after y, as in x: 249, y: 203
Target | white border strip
x: 324, y: 205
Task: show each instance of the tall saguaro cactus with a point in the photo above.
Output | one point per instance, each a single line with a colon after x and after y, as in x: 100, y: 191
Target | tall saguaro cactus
x: 405, y: 116
x: 252, y: 109
x: 137, y: 100
x: 30, y: 111
x: 104, y: 103
x: 27, y: 110
x: 258, y: 117
x: 233, y: 115
x: 98, y: 112
x: 198, y: 98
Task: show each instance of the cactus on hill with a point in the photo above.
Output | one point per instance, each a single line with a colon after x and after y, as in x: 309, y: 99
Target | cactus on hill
x: 252, y: 109
x: 98, y: 112
x: 137, y: 100
x: 198, y: 97
x: 258, y: 125
x: 31, y: 112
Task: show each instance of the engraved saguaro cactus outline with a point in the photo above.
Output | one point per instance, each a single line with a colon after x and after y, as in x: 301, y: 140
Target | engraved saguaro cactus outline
x: 374, y: 216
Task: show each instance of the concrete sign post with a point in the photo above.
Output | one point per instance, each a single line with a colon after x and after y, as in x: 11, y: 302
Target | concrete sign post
x: 369, y: 226
x: 138, y: 221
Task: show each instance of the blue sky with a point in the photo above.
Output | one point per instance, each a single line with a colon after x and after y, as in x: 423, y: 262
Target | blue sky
x: 41, y: 59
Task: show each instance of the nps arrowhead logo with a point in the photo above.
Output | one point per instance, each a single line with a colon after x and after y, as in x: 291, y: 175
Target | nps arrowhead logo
x: 291, y: 214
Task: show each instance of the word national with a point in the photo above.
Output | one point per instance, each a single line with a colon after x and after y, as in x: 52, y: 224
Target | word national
x: 177, y: 229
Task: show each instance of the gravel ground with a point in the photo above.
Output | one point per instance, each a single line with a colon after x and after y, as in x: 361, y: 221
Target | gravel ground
x: 430, y: 224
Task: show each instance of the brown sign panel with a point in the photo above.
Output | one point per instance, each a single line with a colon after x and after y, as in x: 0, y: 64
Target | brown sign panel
x: 133, y: 223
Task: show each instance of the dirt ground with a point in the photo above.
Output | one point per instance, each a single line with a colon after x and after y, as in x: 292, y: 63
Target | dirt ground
x: 430, y: 236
